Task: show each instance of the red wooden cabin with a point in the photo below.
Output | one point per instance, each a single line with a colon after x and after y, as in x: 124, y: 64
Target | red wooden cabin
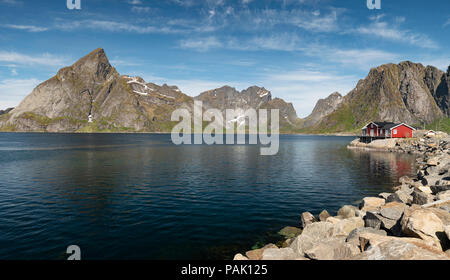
x: 388, y: 130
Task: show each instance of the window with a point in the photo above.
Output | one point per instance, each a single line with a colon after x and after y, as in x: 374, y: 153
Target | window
x: 395, y: 131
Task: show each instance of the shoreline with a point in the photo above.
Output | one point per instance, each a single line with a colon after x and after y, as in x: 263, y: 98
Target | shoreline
x: 410, y: 223
x: 160, y: 133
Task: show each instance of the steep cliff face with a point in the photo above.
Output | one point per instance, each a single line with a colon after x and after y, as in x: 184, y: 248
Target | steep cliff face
x: 442, y: 93
x: 405, y: 92
x: 323, y: 108
x: 93, y: 87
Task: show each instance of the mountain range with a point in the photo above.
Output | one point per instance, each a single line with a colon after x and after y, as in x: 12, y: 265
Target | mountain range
x: 91, y: 96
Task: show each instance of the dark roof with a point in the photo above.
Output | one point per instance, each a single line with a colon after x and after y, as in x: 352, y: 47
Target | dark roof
x: 388, y: 125
x: 385, y: 124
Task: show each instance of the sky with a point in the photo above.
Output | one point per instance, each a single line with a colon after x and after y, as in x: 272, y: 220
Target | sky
x: 300, y: 50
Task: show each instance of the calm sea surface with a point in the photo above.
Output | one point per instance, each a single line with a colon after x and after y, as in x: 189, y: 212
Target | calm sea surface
x: 136, y: 196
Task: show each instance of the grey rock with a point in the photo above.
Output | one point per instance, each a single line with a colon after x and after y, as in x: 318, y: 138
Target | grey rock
x: 311, y: 235
x: 307, y: 219
x: 393, y: 210
x: 439, y: 188
x: 324, y: 215
x: 400, y: 196
x: 275, y: 254
x: 347, y: 211
x: 378, y: 221
x: 397, y: 249
x: 372, y: 220
x: 421, y: 198
x: 384, y: 195
x: 353, y: 237
x: 334, y: 248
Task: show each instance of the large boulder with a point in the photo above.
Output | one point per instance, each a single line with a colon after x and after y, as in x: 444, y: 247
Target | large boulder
x: 344, y: 227
x: 424, y: 224
x: 334, y: 248
x: 275, y: 254
x: 307, y: 219
x: 393, y: 210
x: 396, y: 249
x: 377, y: 221
x: 400, y: 196
x: 371, y: 203
x: 311, y: 235
x: 369, y: 239
x: 347, y: 211
x: 256, y: 254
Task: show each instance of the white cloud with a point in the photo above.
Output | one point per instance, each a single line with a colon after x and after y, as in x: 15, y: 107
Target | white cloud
x: 13, y: 91
x: 361, y: 58
x: 135, y: 2
x: 447, y: 23
x: 278, y: 42
x: 201, y: 44
x: 384, y: 30
x: 12, y: 2
x: 140, y: 10
x: 29, y: 28
x: 114, y: 26
x: 45, y: 59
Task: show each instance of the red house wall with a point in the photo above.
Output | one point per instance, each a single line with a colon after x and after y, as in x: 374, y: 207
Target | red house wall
x: 402, y: 132
x: 374, y: 129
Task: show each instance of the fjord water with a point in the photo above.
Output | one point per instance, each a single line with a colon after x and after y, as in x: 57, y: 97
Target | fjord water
x: 138, y: 196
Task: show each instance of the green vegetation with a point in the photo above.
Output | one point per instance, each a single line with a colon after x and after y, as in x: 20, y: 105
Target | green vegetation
x: 438, y: 125
x: 342, y: 120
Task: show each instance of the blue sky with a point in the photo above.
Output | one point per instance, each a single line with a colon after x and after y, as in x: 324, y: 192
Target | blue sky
x: 300, y: 50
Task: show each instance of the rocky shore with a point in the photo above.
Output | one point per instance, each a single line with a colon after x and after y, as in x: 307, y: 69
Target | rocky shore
x: 411, y: 223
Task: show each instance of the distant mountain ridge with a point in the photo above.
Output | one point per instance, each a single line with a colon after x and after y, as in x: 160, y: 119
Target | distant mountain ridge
x: 92, y: 88
x: 406, y: 92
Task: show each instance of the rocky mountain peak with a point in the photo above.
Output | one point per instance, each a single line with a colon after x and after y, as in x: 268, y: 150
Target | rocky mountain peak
x: 92, y: 68
x: 323, y: 108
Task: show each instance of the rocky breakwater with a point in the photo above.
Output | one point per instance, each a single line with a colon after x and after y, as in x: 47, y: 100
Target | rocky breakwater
x: 418, y: 145
x: 411, y: 223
